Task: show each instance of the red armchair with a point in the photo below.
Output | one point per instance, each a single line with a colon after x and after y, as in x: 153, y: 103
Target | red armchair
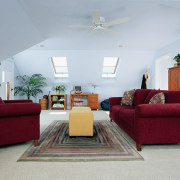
x: 19, y: 121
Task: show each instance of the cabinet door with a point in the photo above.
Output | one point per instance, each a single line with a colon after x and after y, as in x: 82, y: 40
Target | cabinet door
x: 174, y: 78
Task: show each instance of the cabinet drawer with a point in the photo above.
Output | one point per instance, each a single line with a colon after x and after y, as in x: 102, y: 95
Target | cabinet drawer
x: 93, y: 100
x: 92, y: 96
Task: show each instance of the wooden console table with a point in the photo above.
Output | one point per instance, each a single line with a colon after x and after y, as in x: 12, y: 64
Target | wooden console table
x: 57, y: 101
x: 92, y: 99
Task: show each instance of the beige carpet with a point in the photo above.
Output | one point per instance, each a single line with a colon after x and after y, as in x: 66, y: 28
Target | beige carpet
x: 161, y: 162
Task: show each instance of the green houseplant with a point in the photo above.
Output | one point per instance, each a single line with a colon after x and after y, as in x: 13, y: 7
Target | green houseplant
x: 59, y: 88
x: 29, y: 85
x: 177, y: 59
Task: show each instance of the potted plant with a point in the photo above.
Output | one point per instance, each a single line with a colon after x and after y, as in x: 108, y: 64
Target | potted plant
x: 29, y: 85
x: 59, y: 88
x: 177, y: 59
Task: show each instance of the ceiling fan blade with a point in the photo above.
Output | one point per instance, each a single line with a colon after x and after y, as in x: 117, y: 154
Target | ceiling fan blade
x: 118, y: 21
x: 80, y: 26
x: 96, y: 17
x: 110, y: 31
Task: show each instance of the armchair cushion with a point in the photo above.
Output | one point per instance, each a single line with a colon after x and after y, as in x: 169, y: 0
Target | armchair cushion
x: 18, y: 101
x: 19, y: 109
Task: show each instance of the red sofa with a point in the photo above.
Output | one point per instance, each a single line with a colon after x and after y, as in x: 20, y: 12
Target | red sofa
x: 19, y: 121
x: 149, y: 123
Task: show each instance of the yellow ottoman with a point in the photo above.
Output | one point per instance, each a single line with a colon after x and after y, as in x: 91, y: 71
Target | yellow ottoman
x: 81, y: 121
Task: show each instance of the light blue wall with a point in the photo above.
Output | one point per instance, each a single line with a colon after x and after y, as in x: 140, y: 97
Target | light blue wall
x: 85, y: 69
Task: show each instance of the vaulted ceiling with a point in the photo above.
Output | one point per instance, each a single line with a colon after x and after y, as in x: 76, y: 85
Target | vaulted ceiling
x: 43, y: 26
x: 152, y: 25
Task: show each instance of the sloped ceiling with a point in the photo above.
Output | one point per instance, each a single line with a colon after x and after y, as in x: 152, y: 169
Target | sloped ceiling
x: 17, y: 32
x: 153, y: 23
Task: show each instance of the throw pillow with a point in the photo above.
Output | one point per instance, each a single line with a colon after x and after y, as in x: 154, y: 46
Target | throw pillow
x: 1, y: 101
x: 128, y: 97
x: 158, y: 99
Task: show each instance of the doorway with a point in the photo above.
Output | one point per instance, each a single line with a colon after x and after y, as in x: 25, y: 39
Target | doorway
x: 161, y: 71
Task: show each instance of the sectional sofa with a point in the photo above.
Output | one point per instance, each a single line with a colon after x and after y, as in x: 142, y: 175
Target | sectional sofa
x: 149, y: 123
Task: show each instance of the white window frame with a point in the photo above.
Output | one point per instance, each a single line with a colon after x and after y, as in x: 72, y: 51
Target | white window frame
x: 110, y: 75
x: 59, y: 74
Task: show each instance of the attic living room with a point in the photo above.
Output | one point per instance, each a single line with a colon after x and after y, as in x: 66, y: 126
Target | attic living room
x: 90, y: 89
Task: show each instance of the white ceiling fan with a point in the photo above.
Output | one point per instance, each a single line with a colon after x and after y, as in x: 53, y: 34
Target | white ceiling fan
x: 99, y: 24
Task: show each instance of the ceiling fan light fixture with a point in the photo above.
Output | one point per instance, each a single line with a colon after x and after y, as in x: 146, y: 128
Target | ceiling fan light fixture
x: 98, y: 28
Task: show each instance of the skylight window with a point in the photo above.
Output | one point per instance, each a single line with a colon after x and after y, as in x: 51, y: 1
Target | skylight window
x: 109, y: 67
x: 60, y: 67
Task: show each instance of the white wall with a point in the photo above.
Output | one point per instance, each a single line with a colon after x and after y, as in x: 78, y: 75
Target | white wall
x: 167, y: 53
x: 85, y: 69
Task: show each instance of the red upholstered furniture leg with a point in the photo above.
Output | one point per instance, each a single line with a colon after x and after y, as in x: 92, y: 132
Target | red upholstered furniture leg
x: 138, y: 146
x: 36, y: 143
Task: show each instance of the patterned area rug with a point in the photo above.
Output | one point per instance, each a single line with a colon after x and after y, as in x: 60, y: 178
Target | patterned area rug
x: 107, y: 144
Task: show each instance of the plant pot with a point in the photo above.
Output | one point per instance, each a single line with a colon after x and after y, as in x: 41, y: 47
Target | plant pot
x: 57, y: 91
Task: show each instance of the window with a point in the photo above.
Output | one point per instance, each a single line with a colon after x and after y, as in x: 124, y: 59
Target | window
x: 60, y: 67
x: 109, y: 67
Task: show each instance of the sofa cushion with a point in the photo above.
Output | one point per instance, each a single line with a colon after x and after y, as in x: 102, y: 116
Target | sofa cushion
x: 127, y: 116
x: 1, y: 101
x: 158, y: 99
x: 128, y: 97
x: 172, y: 96
x: 150, y: 95
x: 140, y: 96
x: 116, y: 109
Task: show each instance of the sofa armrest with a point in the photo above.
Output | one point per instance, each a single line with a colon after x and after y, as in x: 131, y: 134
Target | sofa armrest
x: 19, y: 109
x: 114, y: 101
x: 18, y: 101
x: 158, y: 110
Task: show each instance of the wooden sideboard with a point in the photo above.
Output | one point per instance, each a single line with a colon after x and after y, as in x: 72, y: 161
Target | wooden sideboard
x: 174, y: 78
x: 92, y: 99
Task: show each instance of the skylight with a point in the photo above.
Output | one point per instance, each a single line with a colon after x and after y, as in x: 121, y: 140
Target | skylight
x: 109, y: 67
x: 60, y: 67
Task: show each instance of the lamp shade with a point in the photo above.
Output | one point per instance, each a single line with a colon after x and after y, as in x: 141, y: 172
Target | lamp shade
x: 7, y: 76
